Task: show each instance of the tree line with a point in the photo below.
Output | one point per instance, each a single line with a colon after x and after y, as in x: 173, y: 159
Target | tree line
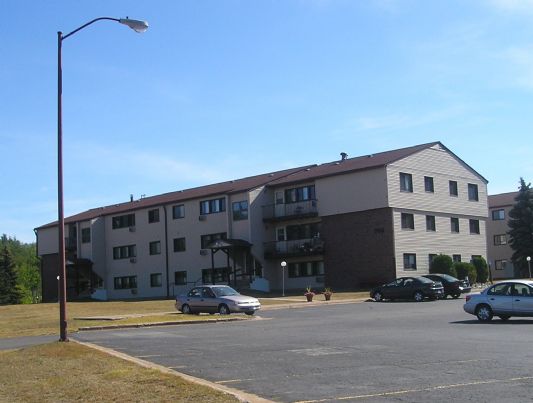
x: 20, y: 279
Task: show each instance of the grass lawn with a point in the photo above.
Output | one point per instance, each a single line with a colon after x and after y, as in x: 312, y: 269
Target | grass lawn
x: 69, y: 372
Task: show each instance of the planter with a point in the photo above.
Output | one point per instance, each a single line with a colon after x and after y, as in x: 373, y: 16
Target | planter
x: 327, y: 296
x: 309, y: 297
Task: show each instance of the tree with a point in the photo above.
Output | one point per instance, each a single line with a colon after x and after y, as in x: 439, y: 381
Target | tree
x: 9, y: 291
x: 482, y: 269
x: 521, y: 227
x: 464, y: 269
x: 442, y: 264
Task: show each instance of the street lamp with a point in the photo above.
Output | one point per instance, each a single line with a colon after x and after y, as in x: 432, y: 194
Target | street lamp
x: 137, y: 26
x: 283, y: 264
x: 529, y: 265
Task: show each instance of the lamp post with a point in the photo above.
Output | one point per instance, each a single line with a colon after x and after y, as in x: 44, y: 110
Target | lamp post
x: 283, y: 264
x: 137, y: 26
x: 529, y: 265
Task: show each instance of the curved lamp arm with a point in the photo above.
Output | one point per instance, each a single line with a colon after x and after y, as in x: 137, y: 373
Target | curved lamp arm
x: 136, y: 25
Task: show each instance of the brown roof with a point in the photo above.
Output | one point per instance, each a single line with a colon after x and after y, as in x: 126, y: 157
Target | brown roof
x: 288, y: 176
x: 502, y: 199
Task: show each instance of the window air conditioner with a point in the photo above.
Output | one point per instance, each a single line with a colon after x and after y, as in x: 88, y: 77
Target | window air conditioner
x: 202, y: 218
x: 133, y: 260
x: 204, y: 252
x: 132, y: 229
x: 134, y: 291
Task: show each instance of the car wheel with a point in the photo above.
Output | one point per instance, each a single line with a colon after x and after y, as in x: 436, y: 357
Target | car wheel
x: 504, y: 317
x: 223, y: 309
x: 378, y: 297
x: 484, y: 313
x: 186, y: 309
x: 418, y: 296
x: 455, y: 296
x: 250, y: 313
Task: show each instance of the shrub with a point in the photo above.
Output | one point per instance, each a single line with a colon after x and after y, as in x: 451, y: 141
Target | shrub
x: 465, y: 269
x: 482, y: 269
x: 442, y: 264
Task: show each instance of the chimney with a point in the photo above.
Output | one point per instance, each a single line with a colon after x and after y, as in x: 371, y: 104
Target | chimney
x: 131, y: 197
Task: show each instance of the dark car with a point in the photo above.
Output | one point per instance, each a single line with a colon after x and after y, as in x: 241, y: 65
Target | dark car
x: 452, y: 286
x: 416, y: 288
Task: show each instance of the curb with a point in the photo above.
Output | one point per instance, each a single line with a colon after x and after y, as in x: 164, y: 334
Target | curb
x: 181, y: 322
x: 241, y: 396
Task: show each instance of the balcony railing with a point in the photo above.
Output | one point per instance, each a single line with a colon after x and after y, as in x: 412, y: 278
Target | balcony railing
x: 285, y: 211
x: 299, y: 247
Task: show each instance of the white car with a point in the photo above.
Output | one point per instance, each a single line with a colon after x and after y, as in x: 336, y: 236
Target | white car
x: 505, y: 299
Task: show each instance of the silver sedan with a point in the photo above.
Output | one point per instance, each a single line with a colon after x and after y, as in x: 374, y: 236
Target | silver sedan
x: 505, y: 299
x: 216, y: 298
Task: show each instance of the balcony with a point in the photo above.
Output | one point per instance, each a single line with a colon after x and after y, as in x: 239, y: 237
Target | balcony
x: 299, y: 247
x: 290, y: 211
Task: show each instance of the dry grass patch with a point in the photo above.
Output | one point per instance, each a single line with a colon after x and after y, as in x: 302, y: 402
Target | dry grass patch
x: 67, y: 372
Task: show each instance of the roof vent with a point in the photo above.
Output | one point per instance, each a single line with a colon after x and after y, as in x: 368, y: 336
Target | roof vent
x: 370, y: 155
x: 131, y: 197
x: 344, y: 156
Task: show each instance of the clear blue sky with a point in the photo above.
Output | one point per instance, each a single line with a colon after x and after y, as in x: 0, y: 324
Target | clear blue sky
x: 223, y: 89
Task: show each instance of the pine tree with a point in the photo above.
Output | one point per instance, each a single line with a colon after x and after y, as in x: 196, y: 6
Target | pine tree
x: 521, y: 228
x: 9, y: 291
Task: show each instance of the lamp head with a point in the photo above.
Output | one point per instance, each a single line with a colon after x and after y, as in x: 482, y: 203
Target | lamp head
x: 136, y: 25
x: 528, y: 258
x: 283, y: 264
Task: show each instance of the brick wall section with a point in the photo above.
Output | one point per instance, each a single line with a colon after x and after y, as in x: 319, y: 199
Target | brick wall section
x: 359, y: 249
x: 49, y: 273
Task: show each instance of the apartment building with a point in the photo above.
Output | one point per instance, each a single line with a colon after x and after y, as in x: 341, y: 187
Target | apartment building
x: 350, y: 223
x: 499, y: 251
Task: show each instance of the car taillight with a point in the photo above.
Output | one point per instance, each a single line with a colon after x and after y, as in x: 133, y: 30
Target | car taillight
x: 467, y: 298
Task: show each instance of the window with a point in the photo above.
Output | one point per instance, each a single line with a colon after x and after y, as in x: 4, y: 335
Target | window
x: 221, y: 275
x: 179, y: 245
x: 123, y: 221
x: 500, y: 289
x: 126, y: 282
x: 408, y: 221
x: 431, y: 257
x: 124, y: 252
x: 299, y: 194
x: 473, y: 192
x: 178, y: 211
x: 498, y: 215
x: 456, y: 258
x: 156, y: 280
x: 454, y: 223
x: 153, y: 215
x: 500, y: 239
x: 500, y: 264
x: 213, y: 206
x: 155, y: 248
x: 428, y: 184
x: 306, y: 269
x: 303, y: 231
x: 208, y: 239
x: 85, y: 235
x: 180, y: 277
x: 474, y: 226
x: 453, y: 188
x: 406, y: 182
x: 240, y: 210
x: 409, y: 261
x: 430, y: 223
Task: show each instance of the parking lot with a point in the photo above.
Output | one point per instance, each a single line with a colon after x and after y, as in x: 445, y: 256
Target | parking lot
x: 375, y: 352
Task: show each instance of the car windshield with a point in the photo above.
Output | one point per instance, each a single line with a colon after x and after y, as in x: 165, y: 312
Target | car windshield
x: 424, y: 280
x: 224, y: 291
x: 448, y: 278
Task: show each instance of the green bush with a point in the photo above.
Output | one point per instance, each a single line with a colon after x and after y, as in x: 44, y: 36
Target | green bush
x: 482, y: 269
x: 464, y: 269
x: 442, y: 264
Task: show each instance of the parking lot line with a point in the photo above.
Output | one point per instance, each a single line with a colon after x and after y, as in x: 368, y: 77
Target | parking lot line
x: 406, y: 391
x: 235, y: 380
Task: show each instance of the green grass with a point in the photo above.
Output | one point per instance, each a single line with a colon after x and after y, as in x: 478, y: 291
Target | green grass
x: 69, y: 372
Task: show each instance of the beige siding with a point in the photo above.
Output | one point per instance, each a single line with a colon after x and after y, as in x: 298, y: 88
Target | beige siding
x: 423, y: 243
x: 499, y: 252
x: 358, y: 191
x: 443, y: 167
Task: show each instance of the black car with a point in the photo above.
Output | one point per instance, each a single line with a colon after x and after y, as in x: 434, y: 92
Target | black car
x: 416, y: 288
x: 452, y: 286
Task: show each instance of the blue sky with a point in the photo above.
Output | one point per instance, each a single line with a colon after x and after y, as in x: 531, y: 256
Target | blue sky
x: 223, y: 89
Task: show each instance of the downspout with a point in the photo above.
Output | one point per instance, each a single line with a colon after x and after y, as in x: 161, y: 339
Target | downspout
x: 166, y: 251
